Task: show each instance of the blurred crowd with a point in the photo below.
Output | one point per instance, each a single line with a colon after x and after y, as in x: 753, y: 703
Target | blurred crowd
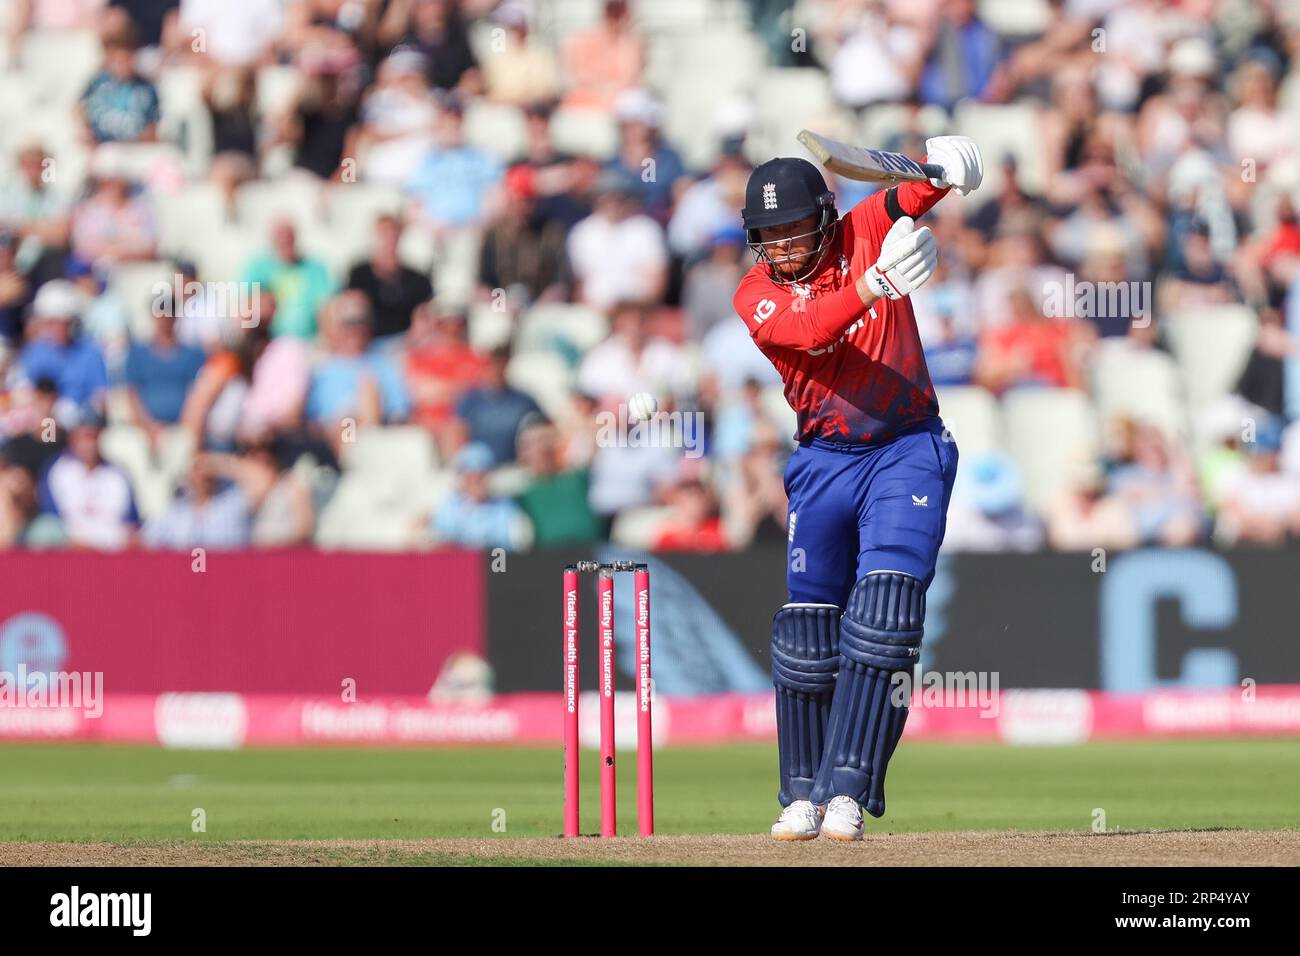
x: 1149, y: 144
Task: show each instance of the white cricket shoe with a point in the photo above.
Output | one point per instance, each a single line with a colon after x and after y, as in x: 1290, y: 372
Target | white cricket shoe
x: 843, y: 819
x: 801, y: 820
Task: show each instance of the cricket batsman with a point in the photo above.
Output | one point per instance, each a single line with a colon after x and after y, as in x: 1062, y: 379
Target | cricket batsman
x: 868, y: 485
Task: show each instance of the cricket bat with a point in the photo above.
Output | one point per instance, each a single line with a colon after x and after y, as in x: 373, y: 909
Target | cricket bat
x: 868, y: 165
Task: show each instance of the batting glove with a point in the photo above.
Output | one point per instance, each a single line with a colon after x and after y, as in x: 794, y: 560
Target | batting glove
x: 908, y: 257
x: 963, y: 166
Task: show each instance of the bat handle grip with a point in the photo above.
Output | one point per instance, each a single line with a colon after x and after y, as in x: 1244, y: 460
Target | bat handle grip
x: 933, y: 170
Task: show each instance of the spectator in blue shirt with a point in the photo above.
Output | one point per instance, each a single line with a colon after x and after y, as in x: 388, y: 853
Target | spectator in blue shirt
x: 650, y: 164
x: 471, y: 516
x: 450, y: 186
x: 159, y: 375
x: 119, y: 105
x: 494, y: 412
x: 205, y: 514
x: 56, y: 351
x: 352, y: 382
x: 963, y: 58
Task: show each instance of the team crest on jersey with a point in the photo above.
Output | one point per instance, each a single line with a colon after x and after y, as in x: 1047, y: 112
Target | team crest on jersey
x: 844, y: 265
x: 801, y: 289
x: 769, y: 195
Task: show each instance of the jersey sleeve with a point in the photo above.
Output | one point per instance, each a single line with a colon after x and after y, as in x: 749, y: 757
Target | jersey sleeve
x: 875, y: 214
x: 776, y: 316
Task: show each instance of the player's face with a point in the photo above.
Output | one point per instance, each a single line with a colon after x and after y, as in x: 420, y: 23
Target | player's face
x: 791, y: 245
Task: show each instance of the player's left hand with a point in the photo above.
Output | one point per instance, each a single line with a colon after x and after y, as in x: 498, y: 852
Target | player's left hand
x: 963, y: 166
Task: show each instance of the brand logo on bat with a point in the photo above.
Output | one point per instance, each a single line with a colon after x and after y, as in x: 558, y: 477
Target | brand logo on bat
x: 894, y: 161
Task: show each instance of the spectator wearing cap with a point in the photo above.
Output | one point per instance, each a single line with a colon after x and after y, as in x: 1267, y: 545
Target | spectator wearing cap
x: 711, y: 283
x: 392, y: 288
x: 602, y: 62
x: 556, y: 499
x: 113, y: 224
x: 653, y: 167
x: 520, y: 71
x: 55, y: 349
x: 206, y: 513
x: 471, y: 516
x: 353, y: 381
x: 440, y: 368
x: 449, y: 188
x: 34, y: 209
x: 437, y: 30
x: 1260, y: 504
x: 300, y: 284
x: 397, y: 119
x: 617, y: 253
x: 15, y: 292
x: 91, y: 498
x: 159, y: 374
x: 521, y: 252
x: 493, y: 411
x: 119, y: 105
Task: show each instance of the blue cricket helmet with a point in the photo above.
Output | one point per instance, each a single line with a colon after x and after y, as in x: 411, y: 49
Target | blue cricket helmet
x: 784, y: 190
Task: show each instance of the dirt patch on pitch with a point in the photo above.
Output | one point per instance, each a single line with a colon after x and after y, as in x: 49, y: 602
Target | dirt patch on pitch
x: 1144, y: 848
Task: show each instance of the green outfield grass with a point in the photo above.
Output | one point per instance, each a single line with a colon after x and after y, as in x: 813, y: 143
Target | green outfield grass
x: 112, y: 793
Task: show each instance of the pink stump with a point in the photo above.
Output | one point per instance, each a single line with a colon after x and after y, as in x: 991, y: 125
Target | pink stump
x: 645, y: 785
x: 571, y: 782
x: 608, y: 796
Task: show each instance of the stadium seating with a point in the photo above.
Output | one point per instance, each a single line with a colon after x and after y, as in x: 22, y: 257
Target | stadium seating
x: 1047, y: 431
x: 1212, y: 346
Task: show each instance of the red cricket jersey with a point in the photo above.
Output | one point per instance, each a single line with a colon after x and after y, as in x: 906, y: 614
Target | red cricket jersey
x: 853, y: 376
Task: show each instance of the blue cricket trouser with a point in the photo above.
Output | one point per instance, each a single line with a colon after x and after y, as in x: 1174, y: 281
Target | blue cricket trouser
x: 855, y: 509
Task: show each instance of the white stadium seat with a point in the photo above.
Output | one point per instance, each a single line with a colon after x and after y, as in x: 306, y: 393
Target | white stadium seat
x: 546, y: 377
x: 60, y: 63
x: 1000, y: 129
x: 584, y: 132
x: 970, y: 414
x: 497, y: 128
x: 575, y: 327
x: 261, y: 202
x: 403, y: 455
x: 1047, y: 431
x: 637, y: 527
x: 1211, y: 346
x: 1143, y: 384
x: 134, y: 284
